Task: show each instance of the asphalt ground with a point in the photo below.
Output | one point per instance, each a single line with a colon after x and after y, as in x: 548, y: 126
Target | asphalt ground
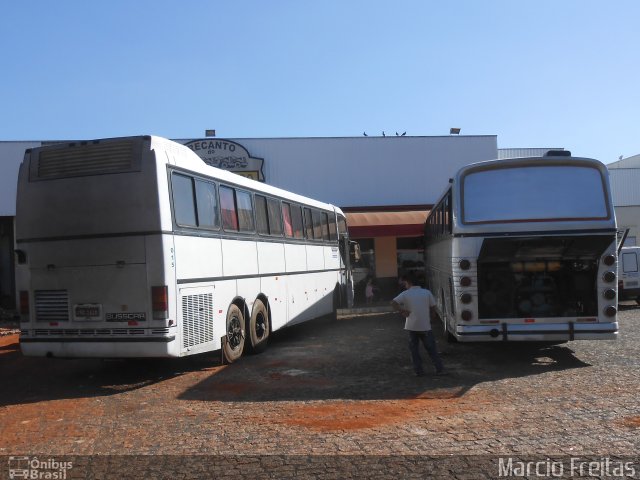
x: 329, y: 399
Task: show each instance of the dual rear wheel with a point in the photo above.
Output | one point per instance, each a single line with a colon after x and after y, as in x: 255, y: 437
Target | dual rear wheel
x: 252, y: 332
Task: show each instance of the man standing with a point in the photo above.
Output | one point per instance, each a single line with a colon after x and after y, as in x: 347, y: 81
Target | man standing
x: 417, y: 304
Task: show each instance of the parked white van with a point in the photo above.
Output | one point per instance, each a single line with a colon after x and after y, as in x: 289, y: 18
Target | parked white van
x: 629, y: 276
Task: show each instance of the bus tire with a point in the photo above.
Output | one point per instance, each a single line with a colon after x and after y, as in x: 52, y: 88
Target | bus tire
x: 235, y: 338
x: 258, y: 327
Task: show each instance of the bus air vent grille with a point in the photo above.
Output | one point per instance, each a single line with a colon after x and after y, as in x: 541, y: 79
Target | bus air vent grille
x: 52, y: 305
x: 197, y: 319
x: 84, y: 160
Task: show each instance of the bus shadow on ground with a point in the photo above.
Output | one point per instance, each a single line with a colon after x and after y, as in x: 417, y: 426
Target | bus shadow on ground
x: 357, y: 358
x: 367, y: 358
x: 26, y: 380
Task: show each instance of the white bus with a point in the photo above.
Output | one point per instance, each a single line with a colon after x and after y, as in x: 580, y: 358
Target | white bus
x: 525, y: 250
x: 134, y: 247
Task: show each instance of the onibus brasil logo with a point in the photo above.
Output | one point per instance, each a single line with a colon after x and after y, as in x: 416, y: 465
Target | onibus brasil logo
x: 38, y: 469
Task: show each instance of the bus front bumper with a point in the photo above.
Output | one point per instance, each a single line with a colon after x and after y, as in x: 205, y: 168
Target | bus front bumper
x: 541, y: 332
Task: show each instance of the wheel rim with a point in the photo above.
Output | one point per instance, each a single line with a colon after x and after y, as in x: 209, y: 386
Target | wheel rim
x: 261, y: 325
x: 234, y: 332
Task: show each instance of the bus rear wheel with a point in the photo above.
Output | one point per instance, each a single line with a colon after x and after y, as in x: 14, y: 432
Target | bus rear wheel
x: 234, y: 344
x: 258, y: 327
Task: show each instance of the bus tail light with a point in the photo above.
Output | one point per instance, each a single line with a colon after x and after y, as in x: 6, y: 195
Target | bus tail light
x: 610, y: 311
x: 609, y: 294
x: 609, y: 260
x: 466, y: 315
x: 160, y: 302
x: 466, y: 298
x: 24, y: 302
x: 609, y: 276
x: 465, y: 281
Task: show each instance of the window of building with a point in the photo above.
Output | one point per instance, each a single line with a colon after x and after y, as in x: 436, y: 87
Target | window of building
x: 410, y: 257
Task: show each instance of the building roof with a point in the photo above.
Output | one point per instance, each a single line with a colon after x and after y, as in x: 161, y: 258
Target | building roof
x: 629, y: 162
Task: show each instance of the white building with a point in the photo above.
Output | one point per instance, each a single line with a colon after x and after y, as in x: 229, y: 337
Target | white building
x: 625, y: 186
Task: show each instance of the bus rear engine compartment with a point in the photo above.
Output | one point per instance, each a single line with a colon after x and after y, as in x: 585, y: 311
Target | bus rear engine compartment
x: 541, y: 277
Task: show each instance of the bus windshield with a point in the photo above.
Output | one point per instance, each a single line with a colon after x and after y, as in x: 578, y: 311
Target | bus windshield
x: 533, y: 193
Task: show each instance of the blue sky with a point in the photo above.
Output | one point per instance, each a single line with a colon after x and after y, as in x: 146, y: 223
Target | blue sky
x: 535, y: 73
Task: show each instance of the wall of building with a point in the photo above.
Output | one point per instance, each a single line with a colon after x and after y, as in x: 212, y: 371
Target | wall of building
x: 368, y: 171
x: 629, y: 217
x: 625, y: 178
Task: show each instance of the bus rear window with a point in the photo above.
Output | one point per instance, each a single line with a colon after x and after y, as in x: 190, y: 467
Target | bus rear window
x: 534, y: 193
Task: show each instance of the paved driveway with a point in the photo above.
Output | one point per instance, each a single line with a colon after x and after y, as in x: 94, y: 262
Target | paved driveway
x: 338, y: 398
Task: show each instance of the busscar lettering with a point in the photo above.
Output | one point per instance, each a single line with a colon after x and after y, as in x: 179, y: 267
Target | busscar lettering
x: 123, y: 317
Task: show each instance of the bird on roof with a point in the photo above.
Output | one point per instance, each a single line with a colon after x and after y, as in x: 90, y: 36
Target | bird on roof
x: 403, y: 134
x: 365, y: 134
x: 397, y: 135
x: 383, y: 134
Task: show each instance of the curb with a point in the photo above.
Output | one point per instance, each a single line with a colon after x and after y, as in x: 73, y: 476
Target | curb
x: 344, y: 312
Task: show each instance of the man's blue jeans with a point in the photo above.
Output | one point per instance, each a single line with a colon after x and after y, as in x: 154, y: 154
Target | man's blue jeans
x: 429, y: 342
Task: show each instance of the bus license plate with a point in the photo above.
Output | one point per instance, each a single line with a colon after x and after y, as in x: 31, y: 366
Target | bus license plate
x: 88, y: 312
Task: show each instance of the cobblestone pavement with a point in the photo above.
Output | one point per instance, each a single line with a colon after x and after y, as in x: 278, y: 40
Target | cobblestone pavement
x: 336, y: 396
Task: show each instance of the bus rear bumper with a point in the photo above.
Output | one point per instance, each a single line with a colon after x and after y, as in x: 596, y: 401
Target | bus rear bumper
x: 537, y: 333
x: 98, y: 348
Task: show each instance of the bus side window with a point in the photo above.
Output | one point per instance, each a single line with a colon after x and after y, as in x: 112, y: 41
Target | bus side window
x: 342, y: 225
x: 449, y: 213
x: 317, y: 224
x: 296, y: 217
x: 183, y: 205
x: 325, y: 225
x: 286, y: 217
x: 245, y: 211
x: 308, y: 223
x: 333, y: 232
x: 228, y: 209
x: 275, y: 218
x: 207, y: 204
x: 262, y: 221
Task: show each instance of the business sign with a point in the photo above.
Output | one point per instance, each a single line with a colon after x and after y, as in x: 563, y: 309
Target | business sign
x: 228, y: 155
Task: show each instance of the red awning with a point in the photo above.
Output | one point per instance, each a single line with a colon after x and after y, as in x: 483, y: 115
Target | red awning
x: 386, y: 224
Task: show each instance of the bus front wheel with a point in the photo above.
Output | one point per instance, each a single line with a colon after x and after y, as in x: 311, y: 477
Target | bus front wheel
x: 234, y: 344
x: 258, y: 327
